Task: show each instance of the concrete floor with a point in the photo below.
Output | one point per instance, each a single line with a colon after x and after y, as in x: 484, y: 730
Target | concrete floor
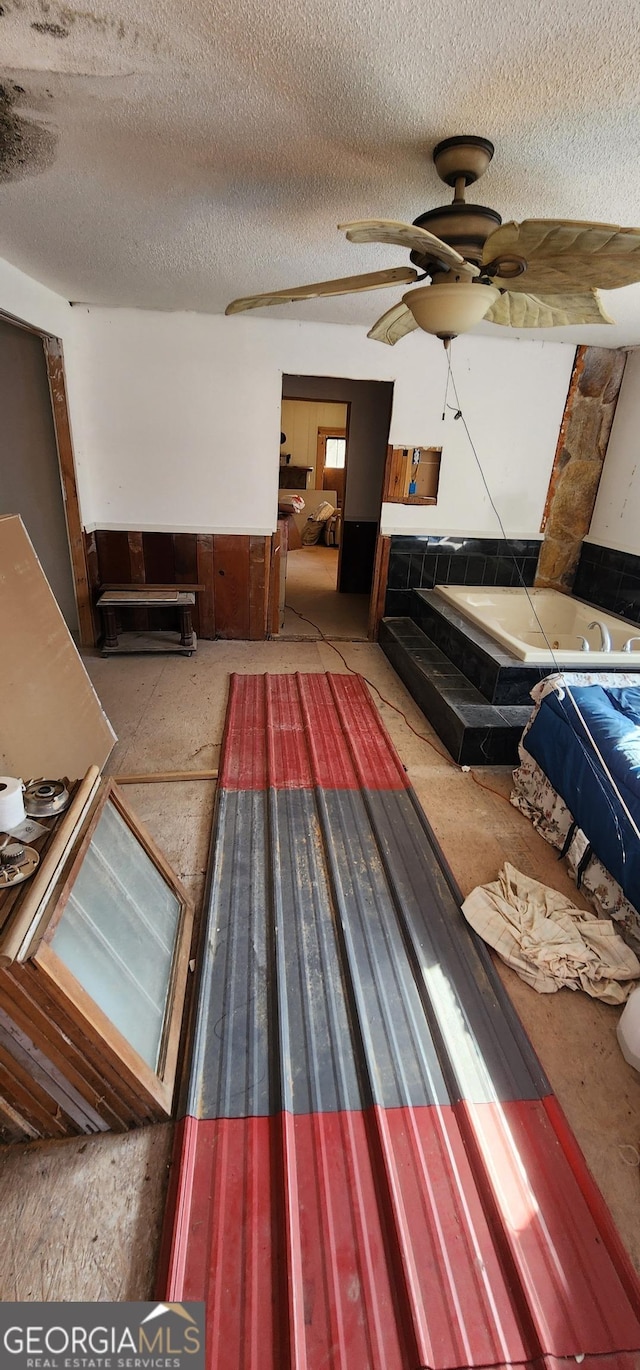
x: 83, y: 1216
x: 312, y: 574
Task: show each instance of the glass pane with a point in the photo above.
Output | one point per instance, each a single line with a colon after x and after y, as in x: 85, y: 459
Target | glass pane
x: 118, y: 931
x: 334, y: 451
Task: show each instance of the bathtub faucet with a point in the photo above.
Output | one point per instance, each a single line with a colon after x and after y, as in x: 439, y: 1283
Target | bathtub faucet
x: 628, y: 647
x: 585, y: 645
x: 605, y: 635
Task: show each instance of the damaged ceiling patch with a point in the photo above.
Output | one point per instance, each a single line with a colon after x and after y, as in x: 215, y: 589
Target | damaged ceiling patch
x: 53, y: 30
x: 26, y: 146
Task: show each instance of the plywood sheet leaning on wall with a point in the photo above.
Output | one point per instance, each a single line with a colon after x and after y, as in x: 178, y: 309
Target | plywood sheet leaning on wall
x: 53, y: 723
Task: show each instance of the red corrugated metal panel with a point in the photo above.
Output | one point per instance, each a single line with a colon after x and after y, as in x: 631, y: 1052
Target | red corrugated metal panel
x: 309, y: 1252
x: 594, y: 1201
x: 243, y: 762
x: 570, y: 1283
x: 455, y: 1293
x: 288, y: 760
x: 226, y: 1250
x: 297, y: 731
x: 284, y: 1245
x: 376, y: 761
x: 340, y: 1287
x: 347, y: 739
x: 360, y: 1239
x: 175, y: 1248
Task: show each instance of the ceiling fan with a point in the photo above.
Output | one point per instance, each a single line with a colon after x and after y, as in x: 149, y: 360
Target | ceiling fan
x: 541, y: 273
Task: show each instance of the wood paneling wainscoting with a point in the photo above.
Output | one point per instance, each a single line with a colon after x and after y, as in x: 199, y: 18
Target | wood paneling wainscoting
x: 237, y: 571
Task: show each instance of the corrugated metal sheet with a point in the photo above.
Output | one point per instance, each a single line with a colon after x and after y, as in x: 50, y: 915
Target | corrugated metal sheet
x: 372, y: 1172
x: 300, y: 731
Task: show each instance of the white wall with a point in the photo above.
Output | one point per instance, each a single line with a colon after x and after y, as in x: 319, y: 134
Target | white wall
x: 177, y: 418
x: 616, y: 517
x: 31, y: 302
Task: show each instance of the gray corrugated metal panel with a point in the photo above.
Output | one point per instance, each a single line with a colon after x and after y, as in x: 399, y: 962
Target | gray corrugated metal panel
x: 231, y: 1057
x: 317, y: 1055
x: 398, y: 1052
x: 512, y: 1021
x: 483, y: 1058
x: 273, y: 1027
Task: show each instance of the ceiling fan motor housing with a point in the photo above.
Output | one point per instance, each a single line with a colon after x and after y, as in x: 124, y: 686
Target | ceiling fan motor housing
x: 464, y: 156
x: 465, y: 227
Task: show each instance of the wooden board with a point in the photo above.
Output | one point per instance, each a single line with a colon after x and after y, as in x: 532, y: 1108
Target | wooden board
x: 93, y: 573
x: 52, y: 1033
x: 160, y: 569
x: 379, y: 586
x: 13, y: 1127
x: 204, y: 563
x: 159, y: 558
x: 148, y: 595
x: 104, y: 1083
x: 258, y: 587
x: 139, y: 617
x: 231, y: 585
x: 277, y: 552
x: 186, y: 563
x: 55, y: 724
x: 58, y: 390
x: 114, y: 559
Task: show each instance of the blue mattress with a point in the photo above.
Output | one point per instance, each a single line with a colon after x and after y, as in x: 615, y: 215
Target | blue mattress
x: 559, y: 743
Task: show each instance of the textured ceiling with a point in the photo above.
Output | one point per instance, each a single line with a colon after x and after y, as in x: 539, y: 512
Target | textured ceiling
x: 172, y: 156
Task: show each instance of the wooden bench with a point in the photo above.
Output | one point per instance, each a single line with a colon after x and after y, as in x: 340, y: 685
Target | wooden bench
x: 113, y: 598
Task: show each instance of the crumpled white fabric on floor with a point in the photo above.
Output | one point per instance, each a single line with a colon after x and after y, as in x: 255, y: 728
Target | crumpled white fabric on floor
x: 550, y: 942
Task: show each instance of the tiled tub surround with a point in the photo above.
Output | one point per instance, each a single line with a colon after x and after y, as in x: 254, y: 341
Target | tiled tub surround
x: 546, y: 626
x: 474, y: 691
x: 499, y: 675
x: 474, y: 731
x: 492, y: 669
x: 420, y: 563
x: 610, y: 579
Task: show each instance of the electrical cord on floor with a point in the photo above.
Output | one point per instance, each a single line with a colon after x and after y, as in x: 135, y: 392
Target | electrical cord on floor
x: 449, y: 760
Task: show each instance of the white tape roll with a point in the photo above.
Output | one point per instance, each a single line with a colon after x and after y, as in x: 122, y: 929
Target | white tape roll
x: 11, y: 803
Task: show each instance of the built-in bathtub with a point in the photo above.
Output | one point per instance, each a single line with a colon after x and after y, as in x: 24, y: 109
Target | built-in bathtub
x: 544, y: 626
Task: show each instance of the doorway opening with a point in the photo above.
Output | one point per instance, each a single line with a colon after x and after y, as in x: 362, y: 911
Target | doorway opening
x: 334, y: 435
x: 37, y: 467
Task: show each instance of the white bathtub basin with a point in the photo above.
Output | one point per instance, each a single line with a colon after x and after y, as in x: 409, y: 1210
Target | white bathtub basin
x: 537, y: 625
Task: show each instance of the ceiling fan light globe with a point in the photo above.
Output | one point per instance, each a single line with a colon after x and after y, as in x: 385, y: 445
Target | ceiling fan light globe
x: 451, y: 307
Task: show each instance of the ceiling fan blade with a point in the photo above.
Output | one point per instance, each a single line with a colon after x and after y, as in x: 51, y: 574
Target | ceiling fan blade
x: 394, y: 325
x: 547, y: 311
x: 408, y: 235
x: 566, y: 256
x: 346, y: 285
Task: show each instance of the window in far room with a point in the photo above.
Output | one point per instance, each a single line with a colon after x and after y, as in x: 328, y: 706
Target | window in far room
x: 335, y: 451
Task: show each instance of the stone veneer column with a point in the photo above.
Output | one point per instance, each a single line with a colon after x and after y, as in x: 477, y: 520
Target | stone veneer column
x: 582, y: 445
